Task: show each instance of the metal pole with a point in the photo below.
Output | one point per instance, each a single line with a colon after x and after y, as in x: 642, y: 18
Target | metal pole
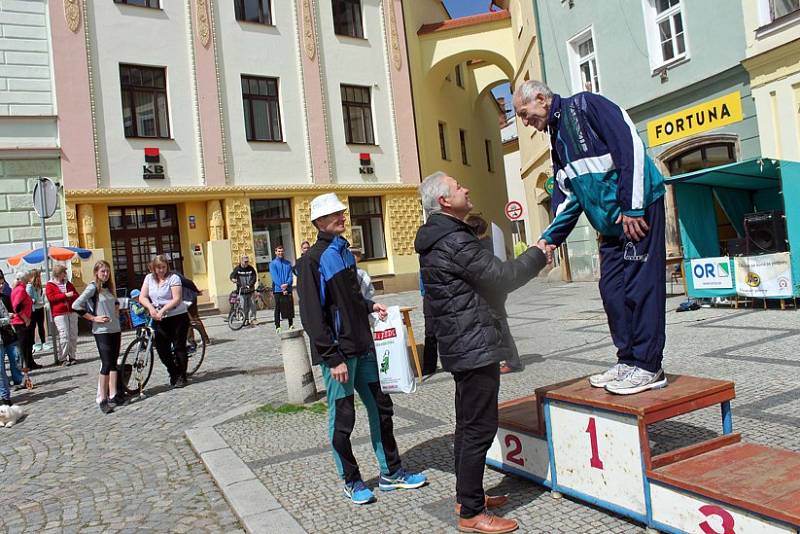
x: 50, y: 325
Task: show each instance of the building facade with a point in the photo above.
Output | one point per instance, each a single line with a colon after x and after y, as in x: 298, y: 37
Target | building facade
x: 454, y: 65
x: 29, y: 144
x: 211, y: 144
x: 679, y: 77
x: 773, y: 63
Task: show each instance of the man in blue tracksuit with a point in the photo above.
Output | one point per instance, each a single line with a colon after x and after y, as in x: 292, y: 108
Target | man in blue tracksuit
x: 601, y: 169
x: 280, y: 270
x: 335, y: 316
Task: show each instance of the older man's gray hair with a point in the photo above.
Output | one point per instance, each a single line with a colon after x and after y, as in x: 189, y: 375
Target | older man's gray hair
x: 431, y: 188
x: 529, y: 89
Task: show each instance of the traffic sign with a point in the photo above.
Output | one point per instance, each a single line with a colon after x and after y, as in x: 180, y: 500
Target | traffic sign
x: 45, y: 198
x: 513, y: 210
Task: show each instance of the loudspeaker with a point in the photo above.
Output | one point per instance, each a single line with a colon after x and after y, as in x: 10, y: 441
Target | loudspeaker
x: 736, y: 247
x: 765, y: 232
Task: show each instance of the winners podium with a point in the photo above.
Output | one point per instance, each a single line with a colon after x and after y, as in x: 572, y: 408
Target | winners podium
x: 594, y: 446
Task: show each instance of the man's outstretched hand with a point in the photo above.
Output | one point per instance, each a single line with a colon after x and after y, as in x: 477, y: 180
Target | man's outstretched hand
x: 547, y: 248
x: 635, y: 228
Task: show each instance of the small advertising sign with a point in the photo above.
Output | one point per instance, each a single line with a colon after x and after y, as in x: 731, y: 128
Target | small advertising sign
x: 769, y: 275
x: 712, y: 273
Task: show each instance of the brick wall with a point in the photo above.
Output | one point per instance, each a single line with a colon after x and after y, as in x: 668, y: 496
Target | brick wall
x: 19, y: 225
x: 25, y: 64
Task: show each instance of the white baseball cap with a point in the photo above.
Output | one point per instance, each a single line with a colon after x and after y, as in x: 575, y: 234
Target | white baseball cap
x: 325, y: 205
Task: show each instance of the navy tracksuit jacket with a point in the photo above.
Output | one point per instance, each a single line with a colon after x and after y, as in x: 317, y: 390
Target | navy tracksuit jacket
x: 601, y: 169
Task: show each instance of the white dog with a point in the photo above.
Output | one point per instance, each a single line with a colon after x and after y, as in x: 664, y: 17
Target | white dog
x: 10, y: 415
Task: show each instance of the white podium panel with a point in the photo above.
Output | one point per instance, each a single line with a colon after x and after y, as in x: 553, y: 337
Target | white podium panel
x: 691, y: 513
x: 520, y: 452
x: 598, y: 454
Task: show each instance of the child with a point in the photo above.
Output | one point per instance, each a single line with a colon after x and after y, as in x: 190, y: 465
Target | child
x: 138, y: 312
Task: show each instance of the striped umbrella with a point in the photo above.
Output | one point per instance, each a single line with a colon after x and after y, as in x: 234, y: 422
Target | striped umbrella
x: 36, y: 256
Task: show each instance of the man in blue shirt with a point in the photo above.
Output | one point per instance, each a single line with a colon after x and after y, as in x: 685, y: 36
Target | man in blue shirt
x: 602, y: 170
x: 280, y: 270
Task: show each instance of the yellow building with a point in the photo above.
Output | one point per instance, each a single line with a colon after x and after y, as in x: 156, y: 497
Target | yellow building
x: 454, y: 64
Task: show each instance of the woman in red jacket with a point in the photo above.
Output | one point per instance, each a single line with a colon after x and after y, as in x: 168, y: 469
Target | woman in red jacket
x: 22, y: 305
x: 61, y: 294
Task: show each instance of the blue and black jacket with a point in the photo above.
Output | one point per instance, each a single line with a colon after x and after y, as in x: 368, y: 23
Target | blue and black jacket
x: 335, y: 314
x: 280, y: 270
x: 600, y: 166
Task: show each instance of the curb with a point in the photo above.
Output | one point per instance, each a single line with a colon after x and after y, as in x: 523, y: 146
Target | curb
x: 257, y: 509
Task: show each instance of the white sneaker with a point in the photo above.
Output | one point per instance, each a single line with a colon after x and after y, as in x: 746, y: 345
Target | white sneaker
x: 618, y: 372
x: 37, y: 347
x: 636, y: 381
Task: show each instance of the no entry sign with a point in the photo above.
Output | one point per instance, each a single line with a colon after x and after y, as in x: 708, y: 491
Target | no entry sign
x: 513, y: 210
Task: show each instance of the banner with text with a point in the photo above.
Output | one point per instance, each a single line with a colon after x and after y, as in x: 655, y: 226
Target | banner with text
x: 712, y: 273
x: 769, y: 275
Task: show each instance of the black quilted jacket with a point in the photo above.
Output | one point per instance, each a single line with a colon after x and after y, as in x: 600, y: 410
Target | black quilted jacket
x: 466, y: 287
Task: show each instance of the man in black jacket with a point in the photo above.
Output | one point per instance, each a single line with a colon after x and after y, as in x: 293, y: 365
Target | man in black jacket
x: 335, y: 316
x: 467, y: 286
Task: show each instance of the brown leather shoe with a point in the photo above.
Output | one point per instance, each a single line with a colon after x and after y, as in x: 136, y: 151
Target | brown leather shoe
x: 492, y: 501
x: 487, y: 523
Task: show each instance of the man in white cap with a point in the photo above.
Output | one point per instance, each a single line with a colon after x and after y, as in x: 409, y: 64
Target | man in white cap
x: 335, y: 316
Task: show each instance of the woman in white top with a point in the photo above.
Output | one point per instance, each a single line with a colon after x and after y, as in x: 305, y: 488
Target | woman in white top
x: 162, y: 296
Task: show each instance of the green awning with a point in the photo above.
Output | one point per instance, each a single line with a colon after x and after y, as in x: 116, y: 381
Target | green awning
x: 753, y: 174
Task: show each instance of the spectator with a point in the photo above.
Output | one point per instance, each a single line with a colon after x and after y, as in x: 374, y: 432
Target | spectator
x: 280, y: 270
x: 335, y: 316
x: 61, y: 294
x: 190, y: 293
x: 304, y: 246
x: 8, y: 347
x: 5, y: 289
x: 466, y: 286
x: 137, y: 312
x: 245, y: 278
x: 36, y: 292
x: 162, y: 296
x: 98, y: 304
x: 22, y: 307
x: 364, y: 281
x: 602, y: 170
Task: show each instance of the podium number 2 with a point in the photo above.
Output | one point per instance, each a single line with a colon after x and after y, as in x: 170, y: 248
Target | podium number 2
x: 513, y: 454
x: 727, y: 520
x: 595, y: 460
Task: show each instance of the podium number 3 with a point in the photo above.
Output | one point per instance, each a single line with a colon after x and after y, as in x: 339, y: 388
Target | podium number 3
x: 513, y: 453
x: 595, y: 460
x: 727, y: 520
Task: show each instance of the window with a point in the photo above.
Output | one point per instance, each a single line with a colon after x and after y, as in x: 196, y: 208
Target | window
x: 347, y: 18
x: 459, y: 77
x: 272, y: 226
x: 253, y: 11
x: 462, y: 137
x: 488, y: 146
x: 585, y: 74
x: 443, y: 140
x: 781, y: 8
x: 666, y: 36
x: 262, y: 110
x: 709, y: 155
x: 140, y: 3
x: 144, y: 101
x: 357, y: 113
x: 366, y: 219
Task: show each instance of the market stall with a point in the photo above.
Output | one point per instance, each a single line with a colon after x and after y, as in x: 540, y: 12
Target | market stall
x: 757, y: 202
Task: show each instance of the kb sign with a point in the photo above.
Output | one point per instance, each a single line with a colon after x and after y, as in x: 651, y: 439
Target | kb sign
x: 712, y: 273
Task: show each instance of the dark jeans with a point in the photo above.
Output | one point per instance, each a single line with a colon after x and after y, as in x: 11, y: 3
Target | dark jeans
x: 25, y: 344
x: 171, y: 336
x: 476, y: 426
x: 108, y: 347
x: 284, y: 305
x: 37, y: 321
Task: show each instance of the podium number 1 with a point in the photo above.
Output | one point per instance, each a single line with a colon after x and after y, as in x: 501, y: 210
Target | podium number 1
x: 595, y: 460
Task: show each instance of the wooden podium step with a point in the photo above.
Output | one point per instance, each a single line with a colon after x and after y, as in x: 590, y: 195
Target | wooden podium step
x: 523, y: 415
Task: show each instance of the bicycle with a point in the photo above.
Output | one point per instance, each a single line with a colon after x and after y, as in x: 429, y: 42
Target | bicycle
x: 138, y: 358
x: 236, y: 317
x: 261, y: 298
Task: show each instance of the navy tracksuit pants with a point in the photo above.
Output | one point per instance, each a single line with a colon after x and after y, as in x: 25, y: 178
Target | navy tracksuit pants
x: 633, y: 289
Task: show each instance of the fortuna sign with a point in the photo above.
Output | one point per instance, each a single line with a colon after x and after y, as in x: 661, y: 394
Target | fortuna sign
x: 701, y: 118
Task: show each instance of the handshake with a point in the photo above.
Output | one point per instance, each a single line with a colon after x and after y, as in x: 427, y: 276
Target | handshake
x: 547, y: 248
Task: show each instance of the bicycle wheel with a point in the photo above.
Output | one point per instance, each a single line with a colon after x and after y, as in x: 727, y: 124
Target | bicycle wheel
x: 261, y: 302
x: 195, y: 350
x: 236, y: 318
x: 136, y: 368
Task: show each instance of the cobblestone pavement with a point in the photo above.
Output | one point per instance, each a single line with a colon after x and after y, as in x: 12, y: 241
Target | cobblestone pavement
x: 68, y: 468
x: 561, y: 332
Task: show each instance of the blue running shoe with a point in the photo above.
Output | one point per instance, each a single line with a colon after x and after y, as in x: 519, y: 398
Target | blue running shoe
x: 402, y: 479
x: 358, y: 492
